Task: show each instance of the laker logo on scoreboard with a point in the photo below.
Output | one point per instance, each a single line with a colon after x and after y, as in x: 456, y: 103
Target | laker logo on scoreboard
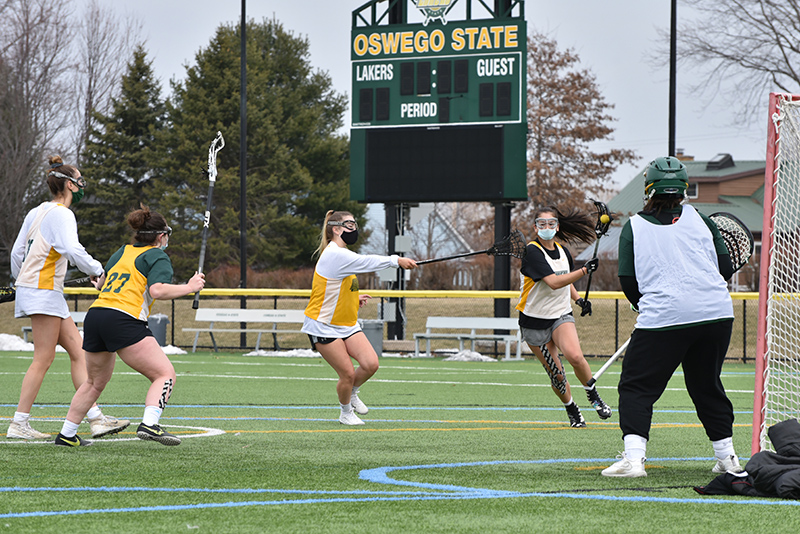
x: 434, y: 9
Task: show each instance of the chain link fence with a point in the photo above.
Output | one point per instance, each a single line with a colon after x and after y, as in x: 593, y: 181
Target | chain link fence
x: 601, y: 333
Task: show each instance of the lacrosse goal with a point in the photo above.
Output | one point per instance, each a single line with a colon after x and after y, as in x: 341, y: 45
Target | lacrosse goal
x: 777, y: 384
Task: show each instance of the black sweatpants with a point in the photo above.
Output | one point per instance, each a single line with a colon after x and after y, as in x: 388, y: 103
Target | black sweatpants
x: 651, y: 359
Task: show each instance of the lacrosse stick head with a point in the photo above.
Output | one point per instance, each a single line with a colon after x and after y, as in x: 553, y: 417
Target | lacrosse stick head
x: 216, y: 145
x: 511, y: 245
x: 604, y: 218
x: 738, y: 238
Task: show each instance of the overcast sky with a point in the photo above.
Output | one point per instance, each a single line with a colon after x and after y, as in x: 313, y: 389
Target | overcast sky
x: 613, y: 39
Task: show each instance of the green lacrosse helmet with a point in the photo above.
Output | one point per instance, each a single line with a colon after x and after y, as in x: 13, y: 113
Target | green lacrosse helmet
x: 665, y: 176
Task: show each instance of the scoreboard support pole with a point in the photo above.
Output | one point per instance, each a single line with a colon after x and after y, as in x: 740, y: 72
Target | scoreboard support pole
x: 502, y: 264
x: 395, y: 216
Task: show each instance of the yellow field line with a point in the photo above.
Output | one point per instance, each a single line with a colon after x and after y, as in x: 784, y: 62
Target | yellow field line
x: 563, y: 427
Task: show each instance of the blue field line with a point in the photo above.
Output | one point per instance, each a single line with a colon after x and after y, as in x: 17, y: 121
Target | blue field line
x: 380, y: 475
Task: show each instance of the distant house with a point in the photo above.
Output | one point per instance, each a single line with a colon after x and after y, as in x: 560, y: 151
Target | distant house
x: 719, y: 184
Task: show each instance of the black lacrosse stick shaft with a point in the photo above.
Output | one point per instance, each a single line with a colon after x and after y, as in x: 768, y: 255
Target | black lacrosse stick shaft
x: 206, y: 221
x: 600, y: 230
x: 464, y: 255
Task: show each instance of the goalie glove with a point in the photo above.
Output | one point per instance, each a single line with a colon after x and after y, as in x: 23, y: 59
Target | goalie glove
x: 585, y: 305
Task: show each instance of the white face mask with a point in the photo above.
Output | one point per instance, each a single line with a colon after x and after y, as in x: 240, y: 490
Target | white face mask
x: 547, y: 233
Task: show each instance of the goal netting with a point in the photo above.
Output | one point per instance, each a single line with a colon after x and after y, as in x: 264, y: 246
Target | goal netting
x: 777, y: 385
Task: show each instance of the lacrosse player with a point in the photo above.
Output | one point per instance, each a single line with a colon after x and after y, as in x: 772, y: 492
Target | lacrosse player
x: 332, y: 313
x: 47, y: 241
x: 673, y: 267
x: 135, y: 276
x: 545, y: 311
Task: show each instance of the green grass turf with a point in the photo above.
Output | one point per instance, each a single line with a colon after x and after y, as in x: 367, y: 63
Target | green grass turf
x: 507, y: 460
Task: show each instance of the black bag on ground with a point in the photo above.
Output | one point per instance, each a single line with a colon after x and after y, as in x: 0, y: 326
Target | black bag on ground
x: 769, y: 474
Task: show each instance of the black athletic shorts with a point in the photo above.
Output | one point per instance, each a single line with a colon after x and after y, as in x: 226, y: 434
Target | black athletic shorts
x: 108, y: 330
x: 325, y: 340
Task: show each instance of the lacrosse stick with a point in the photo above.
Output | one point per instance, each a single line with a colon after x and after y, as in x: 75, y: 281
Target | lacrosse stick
x: 606, y: 365
x: 511, y: 245
x: 9, y: 294
x: 77, y: 281
x: 604, y: 219
x: 737, y: 237
x: 216, y: 145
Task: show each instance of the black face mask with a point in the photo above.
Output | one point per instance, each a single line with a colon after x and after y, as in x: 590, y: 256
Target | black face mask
x: 350, y: 237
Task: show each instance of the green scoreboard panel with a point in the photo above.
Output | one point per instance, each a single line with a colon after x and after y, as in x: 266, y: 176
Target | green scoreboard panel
x: 439, y: 111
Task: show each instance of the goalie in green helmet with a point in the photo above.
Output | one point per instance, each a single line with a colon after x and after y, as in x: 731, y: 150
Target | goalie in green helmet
x: 673, y: 268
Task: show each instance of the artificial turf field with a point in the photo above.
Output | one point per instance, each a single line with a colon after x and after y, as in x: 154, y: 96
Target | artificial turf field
x: 447, y: 447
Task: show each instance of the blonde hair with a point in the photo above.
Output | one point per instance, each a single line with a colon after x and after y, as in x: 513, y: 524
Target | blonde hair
x: 326, y: 235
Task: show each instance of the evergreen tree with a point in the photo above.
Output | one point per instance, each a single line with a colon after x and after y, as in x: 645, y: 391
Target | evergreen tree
x: 123, y: 161
x: 297, y: 163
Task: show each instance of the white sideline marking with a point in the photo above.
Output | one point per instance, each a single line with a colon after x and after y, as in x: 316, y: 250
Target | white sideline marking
x: 206, y: 432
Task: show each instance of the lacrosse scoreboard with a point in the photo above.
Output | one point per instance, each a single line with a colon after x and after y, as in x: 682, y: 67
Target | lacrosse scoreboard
x: 438, y: 111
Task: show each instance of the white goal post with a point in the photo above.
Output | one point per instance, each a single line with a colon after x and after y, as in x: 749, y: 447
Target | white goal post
x: 777, y: 384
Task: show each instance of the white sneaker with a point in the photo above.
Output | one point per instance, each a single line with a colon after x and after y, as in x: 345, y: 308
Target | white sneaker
x: 350, y: 419
x: 626, y: 468
x: 358, y: 406
x: 729, y: 465
x: 106, y: 425
x: 24, y: 431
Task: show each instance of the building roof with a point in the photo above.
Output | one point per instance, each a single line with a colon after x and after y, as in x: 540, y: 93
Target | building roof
x: 630, y: 200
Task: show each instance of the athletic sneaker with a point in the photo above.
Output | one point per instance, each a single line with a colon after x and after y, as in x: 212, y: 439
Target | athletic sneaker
x: 74, y: 441
x: 24, y: 431
x: 156, y: 433
x: 626, y: 468
x: 575, y: 416
x: 603, y: 409
x: 106, y: 425
x: 729, y: 465
x: 350, y: 419
x: 359, y: 407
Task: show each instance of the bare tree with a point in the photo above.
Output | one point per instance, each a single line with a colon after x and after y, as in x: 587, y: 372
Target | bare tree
x: 33, y: 60
x: 103, y: 48
x: 566, y: 112
x: 746, y: 48
x: 42, y: 76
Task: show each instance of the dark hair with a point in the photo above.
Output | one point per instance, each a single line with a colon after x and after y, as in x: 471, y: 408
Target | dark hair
x: 146, y: 224
x: 327, y: 231
x: 659, y: 203
x: 572, y: 226
x: 54, y: 182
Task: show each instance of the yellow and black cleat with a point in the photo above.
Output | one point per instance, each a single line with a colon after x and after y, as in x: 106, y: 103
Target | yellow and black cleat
x: 74, y: 441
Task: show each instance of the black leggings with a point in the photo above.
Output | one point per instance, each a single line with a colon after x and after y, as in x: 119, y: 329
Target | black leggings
x: 649, y: 363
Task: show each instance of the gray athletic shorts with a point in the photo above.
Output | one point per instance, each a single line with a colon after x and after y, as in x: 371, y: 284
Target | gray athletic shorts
x: 537, y: 338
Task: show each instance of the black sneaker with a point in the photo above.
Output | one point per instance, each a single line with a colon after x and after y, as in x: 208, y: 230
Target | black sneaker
x: 575, y: 417
x: 603, y: 409
x: 156, y: 433
x: 74, y: 441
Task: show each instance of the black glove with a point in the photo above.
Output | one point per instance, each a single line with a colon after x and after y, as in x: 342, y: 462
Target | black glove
x: 586, y: 306
x: 591, y: 265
